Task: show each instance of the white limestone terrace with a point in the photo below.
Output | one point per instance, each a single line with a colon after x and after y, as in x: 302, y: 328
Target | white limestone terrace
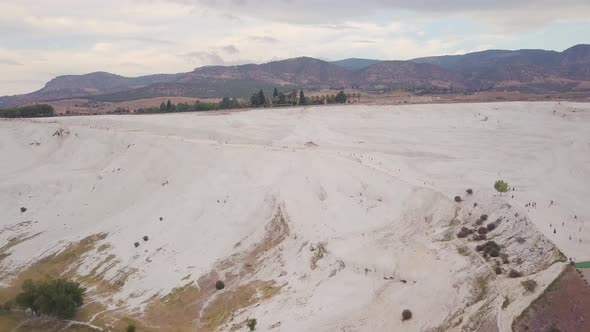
x: 373, y: 184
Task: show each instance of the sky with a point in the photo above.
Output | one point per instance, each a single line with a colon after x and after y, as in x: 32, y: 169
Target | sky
x: 42, y: 39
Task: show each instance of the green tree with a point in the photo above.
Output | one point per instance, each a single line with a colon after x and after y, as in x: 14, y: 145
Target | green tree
x: 225, y: 103
x: 163, y: 107
x: 58, y: 298
x: 501, y: 186
x: 168, y: 106
x: 261, y: 98
x: 282, y: 98
x: 294, y: 100
x: 275, y: 94
x: 341, y: 97
x: 301, y: 98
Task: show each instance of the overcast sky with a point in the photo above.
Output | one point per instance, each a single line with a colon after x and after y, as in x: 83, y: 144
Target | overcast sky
x: 41, y: 39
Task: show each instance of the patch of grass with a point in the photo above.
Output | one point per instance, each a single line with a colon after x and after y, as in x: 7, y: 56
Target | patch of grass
x: 506, y: 302
x: 481, y: 288
x: 177, y: 308
x: 223, y: 306
x: 463, y: 251
x: 14, y: 242
x: 103, y: 247
x: 62, y: 264
x: 10, y: 320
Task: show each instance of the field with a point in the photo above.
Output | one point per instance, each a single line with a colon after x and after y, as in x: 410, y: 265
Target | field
x: 323, y: 218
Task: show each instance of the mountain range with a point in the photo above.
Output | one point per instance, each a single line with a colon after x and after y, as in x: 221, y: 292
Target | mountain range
x: 537, y: 71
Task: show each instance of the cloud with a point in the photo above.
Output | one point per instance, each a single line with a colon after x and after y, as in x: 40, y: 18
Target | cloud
x: 263, y: 39
x: 230, y: 49
x: 9, y: 62
x: 203, y: 58
x: 334, y: 11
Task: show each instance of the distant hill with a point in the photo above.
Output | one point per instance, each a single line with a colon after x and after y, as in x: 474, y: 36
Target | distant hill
x: 537, y: 71
x: 355, y: 63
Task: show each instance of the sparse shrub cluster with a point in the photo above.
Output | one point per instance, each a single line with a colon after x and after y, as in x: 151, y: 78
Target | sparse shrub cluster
x: 458, y: 199
x: 136, y: 244
x: 145, y: 238
x: 23, y: 209
x: 489, y: 248
x: 464, y: 232
x: 469, y: 191
x: 529, y: 285
x: 498, y: 270
x: 130, y: 327
x: 514, y: 274
x: 406, y: 314
x: 481, y: 219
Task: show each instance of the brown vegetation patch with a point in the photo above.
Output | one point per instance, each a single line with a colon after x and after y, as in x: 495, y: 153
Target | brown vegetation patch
x: 63, y: 264
x: 565, y: 305
x: 177, y: 309
x: 14, y: 242
x: 223, y: 307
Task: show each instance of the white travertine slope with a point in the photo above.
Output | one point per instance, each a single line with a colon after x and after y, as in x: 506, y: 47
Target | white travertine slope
x: 373, y: 185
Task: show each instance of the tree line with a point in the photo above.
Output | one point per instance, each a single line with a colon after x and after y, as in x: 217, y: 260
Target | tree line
x: 31, y: 111
x: 198, y: 106
x: 257, y: 99
x: 298, y: 98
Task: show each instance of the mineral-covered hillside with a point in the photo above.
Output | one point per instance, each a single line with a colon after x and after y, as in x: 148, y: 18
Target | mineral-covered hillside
x: 315, y: 219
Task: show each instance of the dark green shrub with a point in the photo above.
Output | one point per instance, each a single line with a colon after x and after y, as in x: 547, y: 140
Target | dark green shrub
x: 482, y: 230
x: 57, y: 298
x: 498, y: 270
x: 130, y: 327
x: 145, y: 238
x: 219, y: 285
x: 406, y: 315
x: 136, y: 244
x: 529, y: 285
x: 469, y: 191
x: 514, y: 274
x: 251, y: 323
x: 458, y: 199
x: 491, y: 227
x: 23, y: 209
